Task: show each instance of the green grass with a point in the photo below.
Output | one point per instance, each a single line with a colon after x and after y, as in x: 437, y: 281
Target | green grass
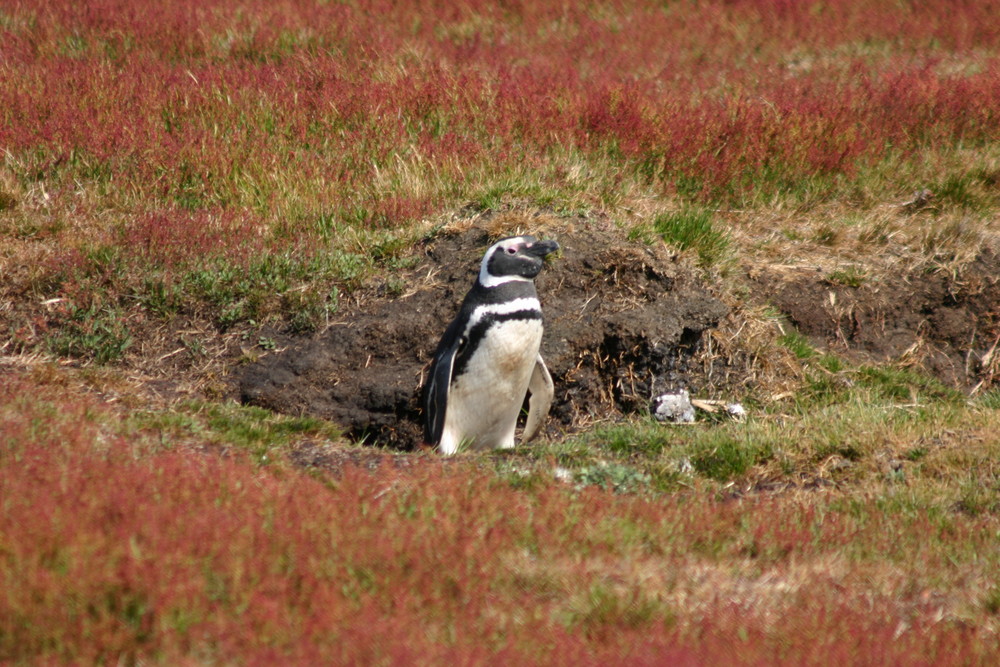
x: 973, y: 190
x: 601, y: 609
x: 797, y: 344
x: 94, y: 332
x: 865, y: 415
x: 693, y: 228
x: 988, y: 400
x: 852, y: 276
x: 261, y: 433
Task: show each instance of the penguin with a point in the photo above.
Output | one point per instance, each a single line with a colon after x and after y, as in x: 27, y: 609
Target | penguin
x: 488, y: 358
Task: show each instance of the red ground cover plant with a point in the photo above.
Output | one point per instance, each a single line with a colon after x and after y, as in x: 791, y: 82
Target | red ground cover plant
x: 207, y: 104
x: 286, y: 124
x: 116, y: 549
x: 204, y: 136
x: 168, y: 239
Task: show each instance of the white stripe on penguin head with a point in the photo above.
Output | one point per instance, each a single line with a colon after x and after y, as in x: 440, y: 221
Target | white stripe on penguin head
x: 487, y: 279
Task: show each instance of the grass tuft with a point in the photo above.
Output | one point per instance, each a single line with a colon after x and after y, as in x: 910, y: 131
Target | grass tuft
x: 99, y: 334
x: 693, y: 229
x: 724, y: 457
x: 797, y: 344
x: 852, y: 276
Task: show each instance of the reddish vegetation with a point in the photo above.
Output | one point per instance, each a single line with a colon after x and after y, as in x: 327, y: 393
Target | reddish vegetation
x: 713, y: 98
x: 230, y: 143
x: 166, y: 239
x: 205, y: 134
x: 111, y: 553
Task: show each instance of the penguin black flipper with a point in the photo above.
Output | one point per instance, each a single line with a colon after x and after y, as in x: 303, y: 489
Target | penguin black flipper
x: 438, y: 384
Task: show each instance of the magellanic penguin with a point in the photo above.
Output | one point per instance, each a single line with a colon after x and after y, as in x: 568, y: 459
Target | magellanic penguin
x: 488, y: 357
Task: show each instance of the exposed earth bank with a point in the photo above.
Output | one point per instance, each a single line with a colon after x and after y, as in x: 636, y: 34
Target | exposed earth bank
x: 624, y: 322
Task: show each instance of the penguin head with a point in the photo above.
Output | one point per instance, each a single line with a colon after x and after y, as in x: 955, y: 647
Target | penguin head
x: 514, y: 258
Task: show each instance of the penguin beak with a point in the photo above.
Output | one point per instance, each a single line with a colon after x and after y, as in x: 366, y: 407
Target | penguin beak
x: 541, y: 248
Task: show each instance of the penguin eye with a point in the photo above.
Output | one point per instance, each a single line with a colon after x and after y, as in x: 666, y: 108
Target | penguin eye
x: 512, y: 251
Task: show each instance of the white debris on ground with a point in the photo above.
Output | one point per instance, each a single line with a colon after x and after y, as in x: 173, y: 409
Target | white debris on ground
x: 675, y: 407
x: 563, y: 474
x: 736, y: 411
x: 678, y: 407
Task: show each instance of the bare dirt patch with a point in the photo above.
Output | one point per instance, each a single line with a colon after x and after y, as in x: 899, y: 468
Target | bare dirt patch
x: 622, y: 319
x: 945, y: 324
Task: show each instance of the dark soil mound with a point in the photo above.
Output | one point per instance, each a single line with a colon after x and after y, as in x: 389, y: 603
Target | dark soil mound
x: 943, y: 324
x: 622, y: 321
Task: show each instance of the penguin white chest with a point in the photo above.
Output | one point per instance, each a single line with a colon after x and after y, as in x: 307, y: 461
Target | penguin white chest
x: 486, y: 398
x: 507, y: 350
